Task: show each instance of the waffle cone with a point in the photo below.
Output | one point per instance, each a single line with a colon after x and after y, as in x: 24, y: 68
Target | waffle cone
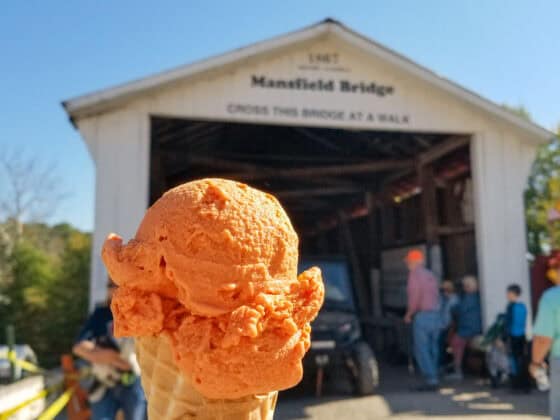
x: 171, y: 395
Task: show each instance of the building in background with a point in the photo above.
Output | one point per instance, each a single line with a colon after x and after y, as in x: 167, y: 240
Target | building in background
x: 369, y: 152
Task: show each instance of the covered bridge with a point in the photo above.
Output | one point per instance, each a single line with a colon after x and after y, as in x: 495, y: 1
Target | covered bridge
x: 369, y: 152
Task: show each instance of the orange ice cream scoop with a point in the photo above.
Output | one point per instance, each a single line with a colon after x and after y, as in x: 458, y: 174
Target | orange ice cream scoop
x: 213, y: 267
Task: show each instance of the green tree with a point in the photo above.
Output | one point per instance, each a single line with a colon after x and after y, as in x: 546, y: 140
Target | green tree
x: 44, y: 288
x: 25, y: 292
x: 542, y: 194
x: 68, y: 295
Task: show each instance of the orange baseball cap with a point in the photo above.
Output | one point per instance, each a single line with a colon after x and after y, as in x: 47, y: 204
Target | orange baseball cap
x: 414, y: 255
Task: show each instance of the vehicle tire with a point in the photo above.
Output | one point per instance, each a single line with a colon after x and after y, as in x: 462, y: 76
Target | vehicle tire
x: 367, y: 378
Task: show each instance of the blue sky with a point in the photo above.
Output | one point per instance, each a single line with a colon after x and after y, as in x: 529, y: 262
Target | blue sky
x: 508, y: 51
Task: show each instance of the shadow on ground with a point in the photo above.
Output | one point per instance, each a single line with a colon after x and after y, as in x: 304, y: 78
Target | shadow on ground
x: 472, y: 398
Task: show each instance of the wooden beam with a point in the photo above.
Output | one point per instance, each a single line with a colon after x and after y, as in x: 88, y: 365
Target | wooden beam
x: 306, y: 208
x: 406, y: 147
x: 319, y: 171
x: 247, y: 169
x: 454, y: 230
x: 290, y: 158
x: 330, y: 221
x: 385, y: 148
x: 317, y: 192
x: 427, y: 157
x: 426, y: 144
x: 318, y: 139
x: 211, y: 133
x: 307, y: 205
x: 440, y: 150
x: 318, y: 202
x: 386, y: 181
x: 378, y: 200
x: 224, y: 164
x: 186, y: 132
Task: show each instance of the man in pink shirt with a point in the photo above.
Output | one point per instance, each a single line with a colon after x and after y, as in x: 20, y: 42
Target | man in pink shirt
x: 423, y: 312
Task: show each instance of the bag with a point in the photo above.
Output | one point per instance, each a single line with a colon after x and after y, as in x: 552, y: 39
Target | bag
x: 496, y: 331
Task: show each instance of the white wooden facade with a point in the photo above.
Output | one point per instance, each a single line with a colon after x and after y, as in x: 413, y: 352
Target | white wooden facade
x: 115, y: 125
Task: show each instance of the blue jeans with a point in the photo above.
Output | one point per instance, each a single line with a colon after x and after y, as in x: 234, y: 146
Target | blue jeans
x: 426, y: 330
x: 555, y: 388
x: 130, y: 399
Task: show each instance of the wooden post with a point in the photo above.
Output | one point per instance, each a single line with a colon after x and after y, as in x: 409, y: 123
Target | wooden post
x: 375, y: 240
x: 426, y: 180
x: 359, y: 280
x: 455, y: 233
x: 374, y: 231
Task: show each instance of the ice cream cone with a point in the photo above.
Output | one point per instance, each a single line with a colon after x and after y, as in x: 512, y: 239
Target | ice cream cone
x: 170, y: 393
x: 209, y: 289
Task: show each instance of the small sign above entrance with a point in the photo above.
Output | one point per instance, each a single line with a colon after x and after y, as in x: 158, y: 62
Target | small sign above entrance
x: 322, y: 85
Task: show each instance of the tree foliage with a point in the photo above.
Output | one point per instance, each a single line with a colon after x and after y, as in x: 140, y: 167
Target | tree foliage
x: 543, y: 194
x: 44, y: 270
x: 44, y: 288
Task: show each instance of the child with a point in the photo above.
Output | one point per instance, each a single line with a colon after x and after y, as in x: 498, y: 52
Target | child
x: 516, y: 319
x: 497, y: 359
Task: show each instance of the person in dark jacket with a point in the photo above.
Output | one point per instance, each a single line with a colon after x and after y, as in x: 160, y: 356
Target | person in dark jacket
x: 110, y: 392
x: 469, y: 323
x: 516, y: 320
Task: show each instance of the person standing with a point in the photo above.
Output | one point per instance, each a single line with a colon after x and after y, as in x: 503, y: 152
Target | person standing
x: 516, y: 319
x: 117, y: 385
x: 423, y: 312
x: 469, y: 324
x: 547, y: 340
x: 449, y: 300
